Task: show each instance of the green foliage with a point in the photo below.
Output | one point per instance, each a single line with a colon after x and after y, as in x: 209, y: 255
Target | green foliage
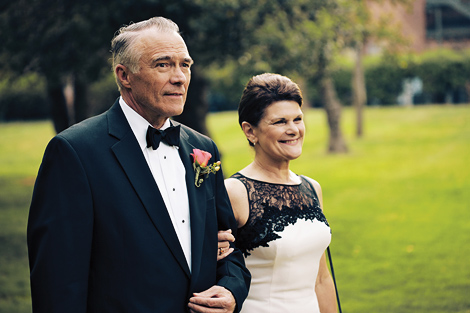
x: 384, y: 81
x: 23, y: 98
x: 342, y: 78
x: 226, y: 86
x: 443, y: 71
x: 56, y: 38
x: 383, y: 75
x: 103, y: 93
x: 290, y: 37
x: 297, y: 38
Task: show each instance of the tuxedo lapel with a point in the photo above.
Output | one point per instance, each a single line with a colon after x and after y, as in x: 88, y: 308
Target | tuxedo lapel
x: 133, y: 162
x: 197, y: 204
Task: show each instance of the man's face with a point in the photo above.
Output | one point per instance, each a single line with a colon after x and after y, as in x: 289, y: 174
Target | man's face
x: 158, y: 90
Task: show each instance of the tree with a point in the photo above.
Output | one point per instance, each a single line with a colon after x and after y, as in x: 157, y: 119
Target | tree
x: 359, y: 88
x: 53, y: 38
x: 68, y: 42
x: 365, y: 28
x: 298, y: 39
x: 62, y: 41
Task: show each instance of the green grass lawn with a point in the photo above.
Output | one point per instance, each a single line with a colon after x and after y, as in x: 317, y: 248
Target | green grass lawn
x: 398, y: 204
x: 21, y: 149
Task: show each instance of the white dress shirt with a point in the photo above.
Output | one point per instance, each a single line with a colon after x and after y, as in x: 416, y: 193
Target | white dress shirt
x: 169, y: 174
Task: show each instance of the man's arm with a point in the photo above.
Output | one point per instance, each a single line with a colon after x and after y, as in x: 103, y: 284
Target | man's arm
x: 215, y: 299
x: 60, y: 232
x: 232, y: 274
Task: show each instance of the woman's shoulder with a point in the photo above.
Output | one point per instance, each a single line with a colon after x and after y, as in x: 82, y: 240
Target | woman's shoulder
x: 312, y: 182
x: 238, y: 179
x: 316, y: 188
x: 238, y: 196
x: 234, y: 185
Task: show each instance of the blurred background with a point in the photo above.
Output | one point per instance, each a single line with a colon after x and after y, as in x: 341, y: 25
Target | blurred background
x: 386, y: 86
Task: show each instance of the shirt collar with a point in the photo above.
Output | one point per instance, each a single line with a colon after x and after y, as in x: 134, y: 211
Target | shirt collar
x: 139, y: 125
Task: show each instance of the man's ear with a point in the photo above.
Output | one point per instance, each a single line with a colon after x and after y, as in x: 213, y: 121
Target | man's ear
x: 122, y: 74
x: 249, y: 131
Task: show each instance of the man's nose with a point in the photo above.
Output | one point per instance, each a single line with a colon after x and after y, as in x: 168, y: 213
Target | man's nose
x: 178, y: 76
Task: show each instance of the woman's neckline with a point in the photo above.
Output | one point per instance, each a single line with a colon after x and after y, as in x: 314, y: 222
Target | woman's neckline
x: 271, y: 183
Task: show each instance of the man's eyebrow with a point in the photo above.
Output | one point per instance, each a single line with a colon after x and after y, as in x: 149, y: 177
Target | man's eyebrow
x: 166, y: 58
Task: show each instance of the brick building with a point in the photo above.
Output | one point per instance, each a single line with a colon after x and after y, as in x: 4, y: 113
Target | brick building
x: 430, y: 23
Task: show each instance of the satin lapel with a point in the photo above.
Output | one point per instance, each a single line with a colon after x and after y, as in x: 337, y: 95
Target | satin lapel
x: 133, y: 162
x: 197, y: 205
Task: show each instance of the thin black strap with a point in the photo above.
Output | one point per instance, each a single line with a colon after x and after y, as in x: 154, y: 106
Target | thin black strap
x: 334, y: 279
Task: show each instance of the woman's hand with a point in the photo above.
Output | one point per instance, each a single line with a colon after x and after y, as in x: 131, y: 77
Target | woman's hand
x: 224, y: 237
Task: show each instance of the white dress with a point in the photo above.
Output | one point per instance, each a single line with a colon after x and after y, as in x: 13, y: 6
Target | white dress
x: 283, y: 241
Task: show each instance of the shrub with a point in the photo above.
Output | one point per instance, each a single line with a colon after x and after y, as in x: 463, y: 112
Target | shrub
x: 102, y: 94
x: 23, y: 98
x: 445, y: 74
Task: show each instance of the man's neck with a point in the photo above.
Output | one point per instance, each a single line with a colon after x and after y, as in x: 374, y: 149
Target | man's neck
x: 131, y: 103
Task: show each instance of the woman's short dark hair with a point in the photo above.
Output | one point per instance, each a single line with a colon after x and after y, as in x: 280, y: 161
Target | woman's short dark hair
x: 263, y: 90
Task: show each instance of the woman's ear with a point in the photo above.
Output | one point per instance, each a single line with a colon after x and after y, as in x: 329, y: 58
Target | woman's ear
x: 250, y: 132
x: 122, y: 74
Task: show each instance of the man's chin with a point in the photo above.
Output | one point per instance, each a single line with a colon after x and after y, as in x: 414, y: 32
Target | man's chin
x: 174, y: 108
x: 179, y: 112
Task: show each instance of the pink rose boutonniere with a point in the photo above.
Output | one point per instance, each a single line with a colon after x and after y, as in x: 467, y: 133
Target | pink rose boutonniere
x: 200, y: 160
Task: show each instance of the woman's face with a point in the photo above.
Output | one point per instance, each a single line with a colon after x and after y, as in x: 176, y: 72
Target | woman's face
x: 280, y: 133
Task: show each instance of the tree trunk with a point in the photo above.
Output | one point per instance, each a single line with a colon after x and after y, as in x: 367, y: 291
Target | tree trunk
x: 359, y: 89
x: 196, y: 107
x: 59, y: 112
x: 467, y: 90
x: 80, y: 98
x: 333, y: 111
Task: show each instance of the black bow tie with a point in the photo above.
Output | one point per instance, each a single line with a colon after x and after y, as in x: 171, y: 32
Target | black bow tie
x: 171, y: 136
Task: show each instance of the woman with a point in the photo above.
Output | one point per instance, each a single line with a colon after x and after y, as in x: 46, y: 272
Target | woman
x: 282, y: 230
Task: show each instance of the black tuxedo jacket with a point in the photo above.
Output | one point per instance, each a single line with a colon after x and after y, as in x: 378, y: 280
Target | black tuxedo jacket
x: 99, y: 235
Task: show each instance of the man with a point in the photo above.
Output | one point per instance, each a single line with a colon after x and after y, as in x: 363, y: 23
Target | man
x: 117, y: 223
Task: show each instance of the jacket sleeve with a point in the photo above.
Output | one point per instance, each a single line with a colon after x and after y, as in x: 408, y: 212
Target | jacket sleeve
x: 231, y: 271
x: 59, y: 232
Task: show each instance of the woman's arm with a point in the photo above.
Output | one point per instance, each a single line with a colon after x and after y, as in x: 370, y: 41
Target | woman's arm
x: 238, y: 199
x: 325, y: 288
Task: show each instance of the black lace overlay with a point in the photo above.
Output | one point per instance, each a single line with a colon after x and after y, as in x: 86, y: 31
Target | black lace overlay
x: 272, y: 208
